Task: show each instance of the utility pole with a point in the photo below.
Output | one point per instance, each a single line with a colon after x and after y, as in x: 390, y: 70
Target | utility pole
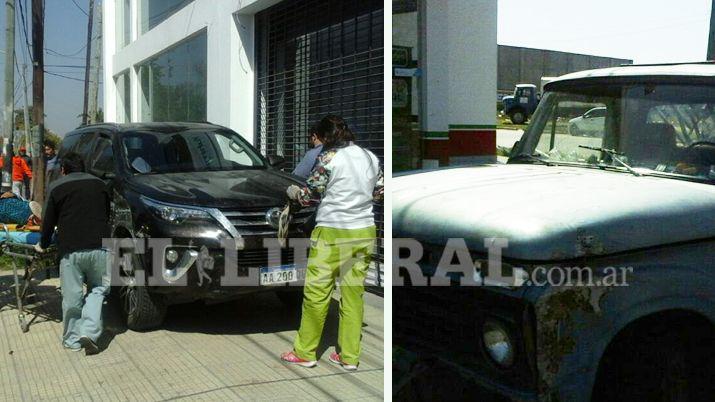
x: 38, y: 99
x: 26, y: 113
x: 87, y: 62
x: 8, y: 122
x: 711, y: 36
x: 96, y: 66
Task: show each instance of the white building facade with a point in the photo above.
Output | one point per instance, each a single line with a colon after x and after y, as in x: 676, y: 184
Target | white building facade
x: 267, y: 69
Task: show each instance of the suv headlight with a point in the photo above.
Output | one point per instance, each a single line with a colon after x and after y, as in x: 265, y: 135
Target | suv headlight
x: 173, y: 213
x: 498, y: 343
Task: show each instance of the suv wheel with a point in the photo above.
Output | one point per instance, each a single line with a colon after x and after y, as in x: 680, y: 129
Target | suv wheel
x: 141, y: 310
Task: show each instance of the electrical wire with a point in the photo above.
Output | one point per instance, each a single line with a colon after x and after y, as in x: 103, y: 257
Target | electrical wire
x: 64, y: 65
x: 71, y: 55
x: 69, y: 78
x: 80, y: 8
x: 23, y: 17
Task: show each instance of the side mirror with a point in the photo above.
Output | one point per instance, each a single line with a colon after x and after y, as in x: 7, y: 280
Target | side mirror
x: 102, y: 174
x: 276, y: 161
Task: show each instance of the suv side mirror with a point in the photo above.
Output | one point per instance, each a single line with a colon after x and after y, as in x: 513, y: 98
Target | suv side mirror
x: 102, y: 174
x: 276, y: 161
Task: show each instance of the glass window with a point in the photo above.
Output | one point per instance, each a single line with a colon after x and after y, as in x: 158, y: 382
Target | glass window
x: 173, y: 83
x: 659, y: 129
x: 124, y: 23
x: 102, y: 159
x: 83, y: 145
x: 156, y: 11
x: 188, y: 151
x: 68, y: 144
x: 124, y: 106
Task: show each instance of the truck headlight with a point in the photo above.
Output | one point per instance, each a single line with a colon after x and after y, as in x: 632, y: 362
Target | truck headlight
x: 174, y: 213
x: 498, y: 343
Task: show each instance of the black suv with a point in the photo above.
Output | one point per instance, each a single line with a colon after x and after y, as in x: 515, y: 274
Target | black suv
x: 198, y: 185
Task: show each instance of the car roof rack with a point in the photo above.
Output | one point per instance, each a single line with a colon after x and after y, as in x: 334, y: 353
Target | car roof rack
x: 669, y: 64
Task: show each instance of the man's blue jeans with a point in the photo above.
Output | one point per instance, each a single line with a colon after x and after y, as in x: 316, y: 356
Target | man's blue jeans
x: 82, y: 317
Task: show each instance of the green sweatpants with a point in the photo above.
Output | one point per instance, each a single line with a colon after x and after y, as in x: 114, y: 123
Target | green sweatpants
x: 343, y: 254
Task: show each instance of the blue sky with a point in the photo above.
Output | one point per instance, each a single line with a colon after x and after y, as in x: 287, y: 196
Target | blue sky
x: 646, y: 31
x: 65, y: 33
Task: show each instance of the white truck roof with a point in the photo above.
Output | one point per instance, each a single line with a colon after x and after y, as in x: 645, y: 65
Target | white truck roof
x: 687, y: 69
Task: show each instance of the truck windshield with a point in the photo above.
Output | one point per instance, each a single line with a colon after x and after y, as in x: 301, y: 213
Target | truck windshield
x: 188, y: 151
x: 656, y: 129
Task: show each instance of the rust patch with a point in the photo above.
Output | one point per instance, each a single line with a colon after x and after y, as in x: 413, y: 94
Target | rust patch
x: 555, y: 325
x: 588, y: 244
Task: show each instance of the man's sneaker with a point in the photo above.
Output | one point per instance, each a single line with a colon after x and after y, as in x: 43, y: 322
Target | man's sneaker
x: 290, y: 357
x: 75, y: 348
x: 90, y: 347
x: 35, y: 208
x: 335, y: 358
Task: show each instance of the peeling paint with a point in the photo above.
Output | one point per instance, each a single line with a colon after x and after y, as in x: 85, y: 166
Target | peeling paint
x: 588, y: 244
x: 556, y: 325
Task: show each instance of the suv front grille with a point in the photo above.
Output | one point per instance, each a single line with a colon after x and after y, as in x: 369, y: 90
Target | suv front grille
x: 252, y: 221
x: 259, y: 257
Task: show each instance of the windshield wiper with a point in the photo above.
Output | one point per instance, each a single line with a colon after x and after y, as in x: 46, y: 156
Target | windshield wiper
x: 530, y: 157
x: 614, y: 155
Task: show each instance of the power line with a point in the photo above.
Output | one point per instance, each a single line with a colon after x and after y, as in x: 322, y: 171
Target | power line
x: 64, y: 76
x: 24, y: 29
x: 71, y: 55
x: 64, y: 65
x: 80, y: 8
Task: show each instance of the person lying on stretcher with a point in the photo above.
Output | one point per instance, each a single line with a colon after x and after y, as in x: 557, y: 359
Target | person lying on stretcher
x: 15, y: 211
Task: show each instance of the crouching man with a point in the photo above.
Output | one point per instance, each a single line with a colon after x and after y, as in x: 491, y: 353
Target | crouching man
x: 78, y: 205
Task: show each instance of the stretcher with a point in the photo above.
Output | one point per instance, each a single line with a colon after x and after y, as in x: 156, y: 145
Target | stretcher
x: 19, y: 246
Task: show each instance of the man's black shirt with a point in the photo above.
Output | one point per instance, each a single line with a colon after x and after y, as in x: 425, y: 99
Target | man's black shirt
x: 78, y: 205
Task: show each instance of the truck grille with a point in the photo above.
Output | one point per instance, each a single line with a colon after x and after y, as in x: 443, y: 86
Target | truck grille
x: 252, y: 221
x: 446, y: 322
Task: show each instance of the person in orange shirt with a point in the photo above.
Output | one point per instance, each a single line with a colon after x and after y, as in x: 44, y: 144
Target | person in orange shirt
x: 26, y: 179
x: 19, y: 171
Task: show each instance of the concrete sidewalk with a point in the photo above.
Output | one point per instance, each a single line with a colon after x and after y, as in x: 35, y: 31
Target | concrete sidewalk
x: 220, y: 352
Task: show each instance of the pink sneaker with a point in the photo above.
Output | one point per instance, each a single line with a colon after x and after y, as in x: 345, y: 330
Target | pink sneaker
x: 335, y: 358
x: 290, y: 357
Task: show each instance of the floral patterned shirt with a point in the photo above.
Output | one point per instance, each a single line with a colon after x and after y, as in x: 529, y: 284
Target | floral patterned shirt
x: 317, y: 181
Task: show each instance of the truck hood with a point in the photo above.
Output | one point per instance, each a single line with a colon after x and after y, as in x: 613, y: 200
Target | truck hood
x: 550, y: 213
x: 225, y: 189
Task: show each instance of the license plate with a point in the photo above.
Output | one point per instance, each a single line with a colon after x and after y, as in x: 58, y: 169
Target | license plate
x: 279, y: 275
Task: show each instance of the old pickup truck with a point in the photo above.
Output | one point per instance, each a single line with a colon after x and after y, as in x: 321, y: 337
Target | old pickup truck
x: 639, y: 199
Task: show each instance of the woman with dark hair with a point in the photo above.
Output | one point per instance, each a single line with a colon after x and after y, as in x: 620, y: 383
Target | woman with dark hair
x: 345, y: 182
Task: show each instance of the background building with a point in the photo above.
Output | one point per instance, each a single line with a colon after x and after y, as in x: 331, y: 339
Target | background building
x: 522, y: 65
x: 267, y: 69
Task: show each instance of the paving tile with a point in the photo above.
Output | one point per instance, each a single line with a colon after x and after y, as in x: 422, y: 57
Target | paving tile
x: 204, y: 353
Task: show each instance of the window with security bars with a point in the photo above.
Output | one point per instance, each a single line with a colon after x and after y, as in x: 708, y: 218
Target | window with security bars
x: 319, y: 57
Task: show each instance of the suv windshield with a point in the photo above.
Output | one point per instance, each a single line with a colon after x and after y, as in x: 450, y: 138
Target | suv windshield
x: 188, y: 151
x: 657, y: 129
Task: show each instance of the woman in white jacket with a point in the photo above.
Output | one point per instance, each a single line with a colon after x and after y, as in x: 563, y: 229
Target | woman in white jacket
x: 345, y: 182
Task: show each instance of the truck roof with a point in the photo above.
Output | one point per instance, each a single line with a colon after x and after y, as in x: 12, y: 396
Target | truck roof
x: 693, y: 70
